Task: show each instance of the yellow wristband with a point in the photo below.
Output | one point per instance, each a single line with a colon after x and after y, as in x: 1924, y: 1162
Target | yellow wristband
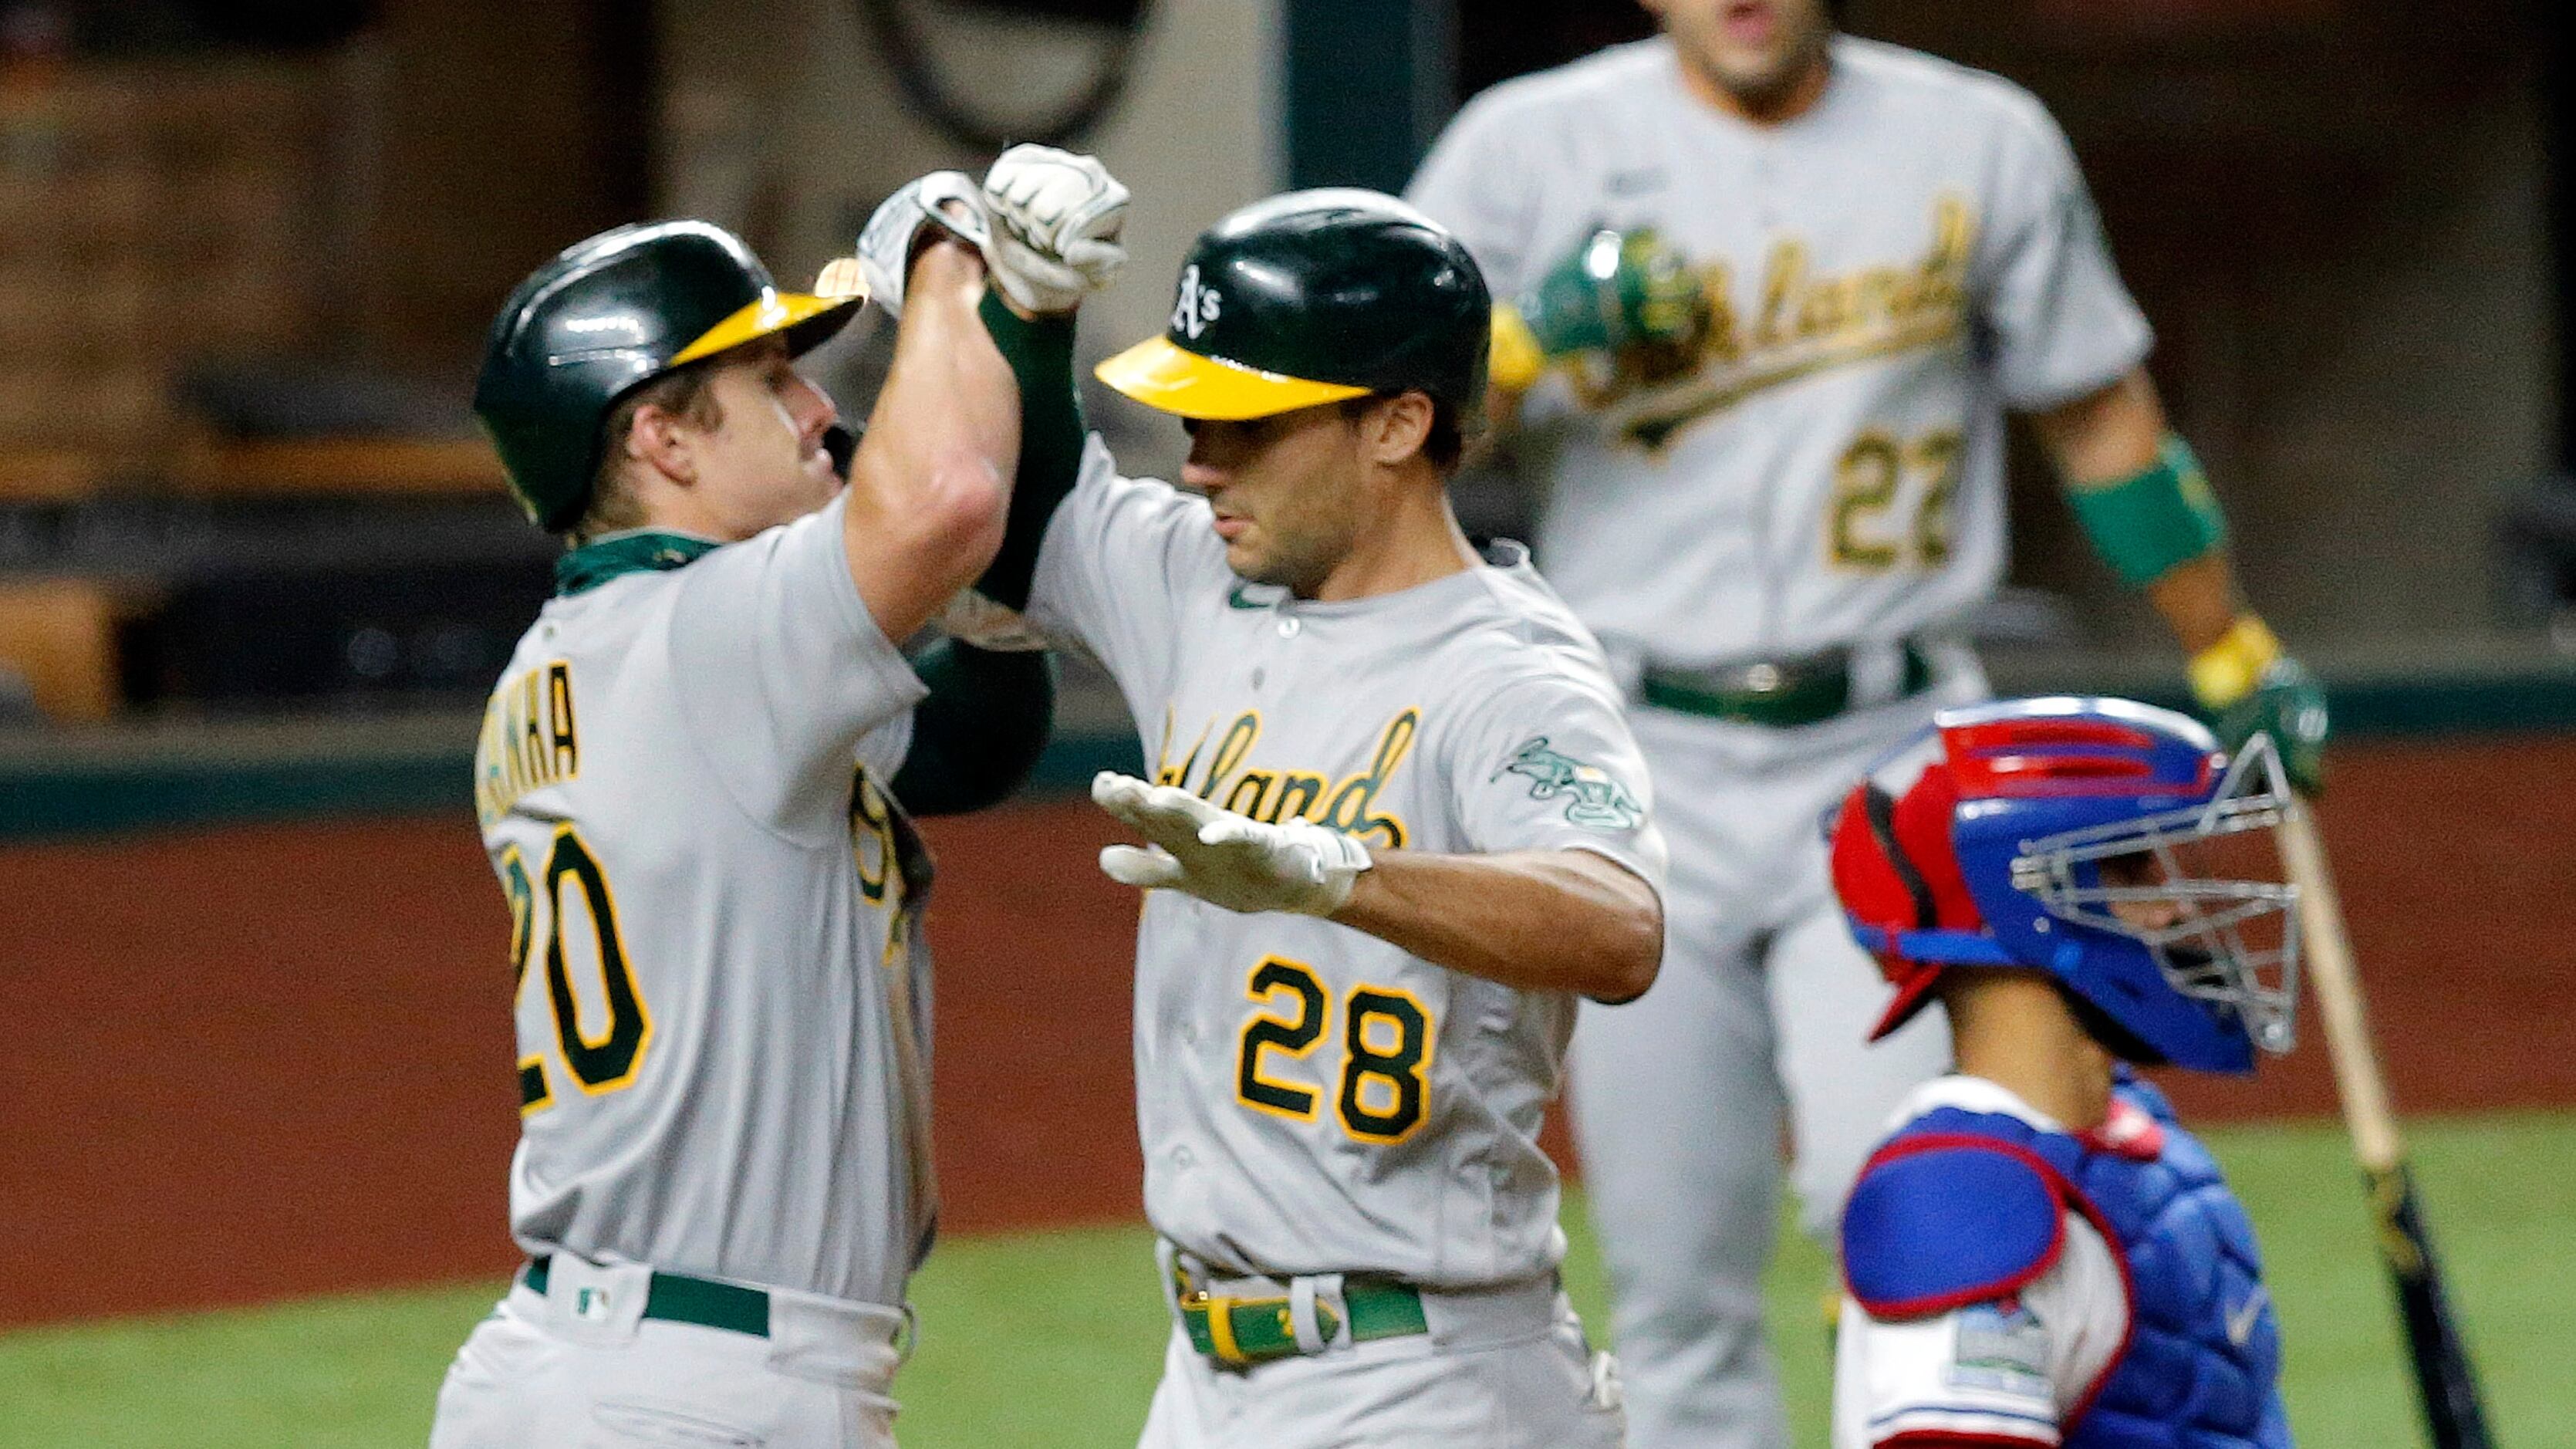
x: 2228, y: 670
x: 1517, y: 360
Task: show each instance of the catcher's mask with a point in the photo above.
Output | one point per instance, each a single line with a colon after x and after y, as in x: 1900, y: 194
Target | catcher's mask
x: 2106, y: 843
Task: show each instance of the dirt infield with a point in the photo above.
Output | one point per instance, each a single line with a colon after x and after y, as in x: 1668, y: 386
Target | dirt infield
x: 254, y: 1063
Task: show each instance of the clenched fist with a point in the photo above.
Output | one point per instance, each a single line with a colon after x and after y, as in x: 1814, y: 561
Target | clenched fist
x: 1054, y: 219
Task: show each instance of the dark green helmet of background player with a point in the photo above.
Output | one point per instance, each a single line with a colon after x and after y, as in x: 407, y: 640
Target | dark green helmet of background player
x: 607, y: 316
x: 1314, y: 297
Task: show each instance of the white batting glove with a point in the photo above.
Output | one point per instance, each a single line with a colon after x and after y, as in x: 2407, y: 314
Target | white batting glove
x: 946, y: 200
x: 1223, y: 858
x: 1055, y: 218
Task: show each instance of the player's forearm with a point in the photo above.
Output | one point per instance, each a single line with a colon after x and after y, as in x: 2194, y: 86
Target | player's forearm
x: 930, y: 485
x: 2199, y: 600
x: 2104, y: 435
x: 1541, y: 920
x: 2148, y: 510
x: 2103, y: 441
x: 1039, y: 352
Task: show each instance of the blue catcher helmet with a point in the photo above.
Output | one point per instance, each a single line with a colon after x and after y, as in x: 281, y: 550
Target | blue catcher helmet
x: 2101, y: 841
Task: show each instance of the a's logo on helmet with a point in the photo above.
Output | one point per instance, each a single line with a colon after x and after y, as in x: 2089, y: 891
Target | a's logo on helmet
x: 1196, y: 307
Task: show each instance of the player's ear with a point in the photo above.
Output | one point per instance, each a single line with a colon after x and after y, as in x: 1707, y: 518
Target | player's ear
x: 1396, y: 428
x: 664, y: 441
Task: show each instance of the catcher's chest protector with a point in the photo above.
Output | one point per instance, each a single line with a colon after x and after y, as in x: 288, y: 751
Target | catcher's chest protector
x: 2201, y: 1367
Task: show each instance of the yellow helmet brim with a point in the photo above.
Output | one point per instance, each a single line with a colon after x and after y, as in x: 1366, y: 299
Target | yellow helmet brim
x: 1173, y: 379
x: 808, y: 319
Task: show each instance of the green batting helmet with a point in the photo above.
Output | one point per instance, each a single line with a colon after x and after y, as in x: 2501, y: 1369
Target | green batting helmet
x: 607, y: 316
x: 1313, y: 297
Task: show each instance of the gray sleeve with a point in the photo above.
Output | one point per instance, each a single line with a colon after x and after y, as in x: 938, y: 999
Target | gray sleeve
x: 2054, y: 315
x: 1547, y: 763
x: 781, y: 672
x: 883, y: 749
x: 1481, y: 182
x: 1122, y: 557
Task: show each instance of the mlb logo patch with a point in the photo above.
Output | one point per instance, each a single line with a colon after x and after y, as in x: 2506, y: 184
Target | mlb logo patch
x: 590, y: 1304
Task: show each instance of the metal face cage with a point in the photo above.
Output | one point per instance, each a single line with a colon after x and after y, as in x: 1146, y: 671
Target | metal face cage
x: 2174, y: 881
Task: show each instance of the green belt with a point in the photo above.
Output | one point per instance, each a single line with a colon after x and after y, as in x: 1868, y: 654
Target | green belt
x: 1802, y: 692
x: 1244, y: 1331
x: 700, y: 1301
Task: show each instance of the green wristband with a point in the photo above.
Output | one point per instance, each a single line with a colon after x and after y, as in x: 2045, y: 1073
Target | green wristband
x: 2146, y: 524
x: 1040, y: 352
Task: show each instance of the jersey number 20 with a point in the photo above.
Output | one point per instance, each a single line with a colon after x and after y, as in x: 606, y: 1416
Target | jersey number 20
x: 1386, y: 1051
x: 601, y: 1062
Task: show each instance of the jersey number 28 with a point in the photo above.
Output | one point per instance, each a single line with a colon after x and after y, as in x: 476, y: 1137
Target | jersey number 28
x: 1386, y: 1051
x: 599, y: 1062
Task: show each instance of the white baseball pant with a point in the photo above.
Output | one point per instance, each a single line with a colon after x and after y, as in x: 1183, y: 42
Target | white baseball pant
x: 579, y: 1367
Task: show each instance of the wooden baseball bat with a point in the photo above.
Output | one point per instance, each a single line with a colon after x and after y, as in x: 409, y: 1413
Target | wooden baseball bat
x: 2445, y: 1381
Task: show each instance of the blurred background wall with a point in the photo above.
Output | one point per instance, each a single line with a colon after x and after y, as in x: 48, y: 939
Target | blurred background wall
x: 785, y: 119
x: 248, y: 249
x: 2337, y: 217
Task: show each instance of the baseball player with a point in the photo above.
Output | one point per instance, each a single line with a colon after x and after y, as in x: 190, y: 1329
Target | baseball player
x: 1396, y: 826
x: 2038, y: 1253
x: 1776, y: 290
x: 723, y: 1179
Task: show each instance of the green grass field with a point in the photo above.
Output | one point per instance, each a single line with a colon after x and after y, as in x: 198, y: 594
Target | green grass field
x: 1054, y: 1339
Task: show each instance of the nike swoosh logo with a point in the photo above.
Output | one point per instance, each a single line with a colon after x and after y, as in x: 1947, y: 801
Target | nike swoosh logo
x: 2240, y: 1324
x: 1235, y: 599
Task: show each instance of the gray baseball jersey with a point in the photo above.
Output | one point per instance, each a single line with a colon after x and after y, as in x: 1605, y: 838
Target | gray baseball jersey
x: 1886, y: 274
x: 722, y: 994
x: 1312, y: 1099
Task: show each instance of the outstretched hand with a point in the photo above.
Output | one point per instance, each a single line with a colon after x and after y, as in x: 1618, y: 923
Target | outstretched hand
x: 1223, y: 858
